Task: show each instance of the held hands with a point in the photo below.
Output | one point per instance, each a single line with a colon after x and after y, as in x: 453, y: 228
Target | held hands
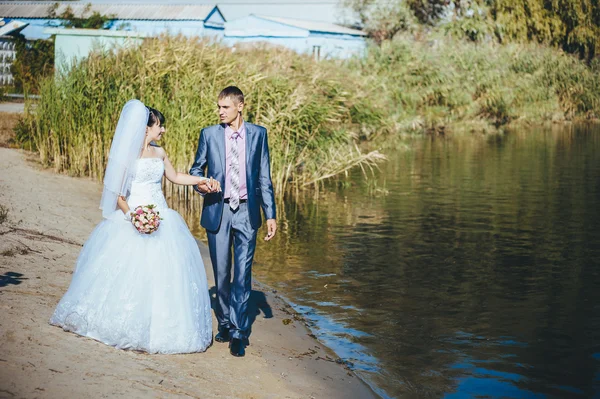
x: 207, y: 186
x: 271, y: 229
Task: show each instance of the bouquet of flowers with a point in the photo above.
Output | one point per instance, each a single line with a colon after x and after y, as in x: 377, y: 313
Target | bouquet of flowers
x: 145, y: 219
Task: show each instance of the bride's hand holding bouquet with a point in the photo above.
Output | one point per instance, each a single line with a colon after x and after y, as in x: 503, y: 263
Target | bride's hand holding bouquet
x: 145, y: 218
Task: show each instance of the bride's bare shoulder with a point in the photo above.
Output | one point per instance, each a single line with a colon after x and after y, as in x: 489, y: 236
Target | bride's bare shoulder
x: 159, y: 150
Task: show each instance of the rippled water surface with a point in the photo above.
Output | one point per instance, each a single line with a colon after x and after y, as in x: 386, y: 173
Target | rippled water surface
x: 467, y: 267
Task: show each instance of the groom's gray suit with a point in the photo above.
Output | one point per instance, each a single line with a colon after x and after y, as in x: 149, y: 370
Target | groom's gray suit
x: 225, y: 227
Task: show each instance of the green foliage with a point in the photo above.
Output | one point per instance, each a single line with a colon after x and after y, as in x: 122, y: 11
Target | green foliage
x: 23, y: 136
x: 471, y: 22
x: 382, y: 19
x: 35, y: 58
x: 573, y: 25
x: 95, y: 20
x: 443, y: 85
x: 34, y: 61
x: 317, y: 113
x: 306, y: 106
x: 428, y: 11
x: 3, y: 214
x: 495, y: 106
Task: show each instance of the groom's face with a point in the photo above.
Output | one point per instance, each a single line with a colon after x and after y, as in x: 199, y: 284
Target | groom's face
x: 229, y: 110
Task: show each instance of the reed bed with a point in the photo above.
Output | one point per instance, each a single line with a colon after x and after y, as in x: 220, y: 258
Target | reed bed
x: 319, y: 114
x: 306, y: 107
x: 444, y: 85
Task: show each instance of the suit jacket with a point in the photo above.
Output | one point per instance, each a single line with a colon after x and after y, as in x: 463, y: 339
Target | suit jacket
x: 210, y: 161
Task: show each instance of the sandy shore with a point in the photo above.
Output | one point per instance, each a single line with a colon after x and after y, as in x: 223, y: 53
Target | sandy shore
x: 49, y: 218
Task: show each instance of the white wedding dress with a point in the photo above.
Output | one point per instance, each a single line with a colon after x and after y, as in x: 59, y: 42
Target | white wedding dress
x: 138, y: 291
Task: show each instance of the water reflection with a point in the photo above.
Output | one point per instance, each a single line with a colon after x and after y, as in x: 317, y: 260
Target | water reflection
x: 475, y: 275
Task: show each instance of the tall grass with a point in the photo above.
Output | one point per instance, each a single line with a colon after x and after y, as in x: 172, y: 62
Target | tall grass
x: 439, y: 84
x: 317, y: 113
x: 306, y: 107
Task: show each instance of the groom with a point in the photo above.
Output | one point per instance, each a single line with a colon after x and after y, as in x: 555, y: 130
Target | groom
x: 236, y: 154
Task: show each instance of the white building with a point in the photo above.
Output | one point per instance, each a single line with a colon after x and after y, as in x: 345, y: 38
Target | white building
x: 322, y: 39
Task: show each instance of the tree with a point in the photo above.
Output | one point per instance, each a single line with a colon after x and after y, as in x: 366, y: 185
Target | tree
x: 34, y: 60
x: 573, y: 25
x: 382, y: 19
x: 429, y: 11
x: 70, y: 20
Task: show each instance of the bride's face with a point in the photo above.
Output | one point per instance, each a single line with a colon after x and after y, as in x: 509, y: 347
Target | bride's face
x: 155, y: 132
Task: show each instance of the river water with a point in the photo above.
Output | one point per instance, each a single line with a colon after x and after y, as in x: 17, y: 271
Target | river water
x: 464, y: 267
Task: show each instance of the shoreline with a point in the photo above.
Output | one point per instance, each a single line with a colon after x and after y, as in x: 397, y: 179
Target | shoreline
x: 362, y: 375
x: 49, y: 218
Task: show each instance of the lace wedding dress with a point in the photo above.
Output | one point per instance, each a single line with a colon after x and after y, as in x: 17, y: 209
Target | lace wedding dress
x: 137, y: 291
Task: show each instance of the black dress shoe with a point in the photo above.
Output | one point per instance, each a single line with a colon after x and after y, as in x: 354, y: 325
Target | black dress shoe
x: 236, y: 347
x: 222, y: 336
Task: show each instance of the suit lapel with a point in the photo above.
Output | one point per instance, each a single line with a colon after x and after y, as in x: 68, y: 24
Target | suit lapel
x: 221, y: 146
x: 249, y: 137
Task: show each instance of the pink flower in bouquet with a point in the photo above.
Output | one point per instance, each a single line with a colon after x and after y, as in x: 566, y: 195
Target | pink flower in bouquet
x: 146, y: 219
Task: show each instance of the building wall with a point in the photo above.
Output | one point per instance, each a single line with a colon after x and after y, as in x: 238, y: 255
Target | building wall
x: 70, y: 48
x: 253, y: 29
x: 155, y: 28
x: 336, y: 46
x: 252, y: 26
x: 246, y: 30
x: 322, y: 46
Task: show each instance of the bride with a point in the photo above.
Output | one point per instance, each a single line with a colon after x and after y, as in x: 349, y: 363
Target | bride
x: 131, y: 290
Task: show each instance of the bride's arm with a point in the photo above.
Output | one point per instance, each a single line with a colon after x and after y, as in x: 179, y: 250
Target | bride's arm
x: 122, y: 204
x: 184, y: 178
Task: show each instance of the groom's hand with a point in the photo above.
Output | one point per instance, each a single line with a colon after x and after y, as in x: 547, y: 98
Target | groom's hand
x: 271, y: 229
x: 209, y: 186
x: 203, y: 187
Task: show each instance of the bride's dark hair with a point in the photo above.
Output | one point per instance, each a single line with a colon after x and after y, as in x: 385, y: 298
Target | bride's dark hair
x: 154, y: 116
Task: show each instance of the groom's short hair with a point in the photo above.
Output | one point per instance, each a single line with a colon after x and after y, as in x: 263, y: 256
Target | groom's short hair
x: 234, y: 93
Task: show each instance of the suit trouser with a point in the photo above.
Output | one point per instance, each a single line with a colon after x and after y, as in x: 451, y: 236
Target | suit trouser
x: 232, y: 296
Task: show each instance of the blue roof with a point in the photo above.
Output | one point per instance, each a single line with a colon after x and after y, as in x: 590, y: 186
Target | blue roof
x: 8, y: 26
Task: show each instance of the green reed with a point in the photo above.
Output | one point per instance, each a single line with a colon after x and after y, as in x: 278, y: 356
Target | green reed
x: 439, y: 84
x: 317, y: 113
x: 305, y: 106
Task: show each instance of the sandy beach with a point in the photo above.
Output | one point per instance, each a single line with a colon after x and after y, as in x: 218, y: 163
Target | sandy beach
x: 49, y: 218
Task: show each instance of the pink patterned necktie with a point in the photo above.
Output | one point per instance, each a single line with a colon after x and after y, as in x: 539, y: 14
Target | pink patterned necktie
x: 234, y: 192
